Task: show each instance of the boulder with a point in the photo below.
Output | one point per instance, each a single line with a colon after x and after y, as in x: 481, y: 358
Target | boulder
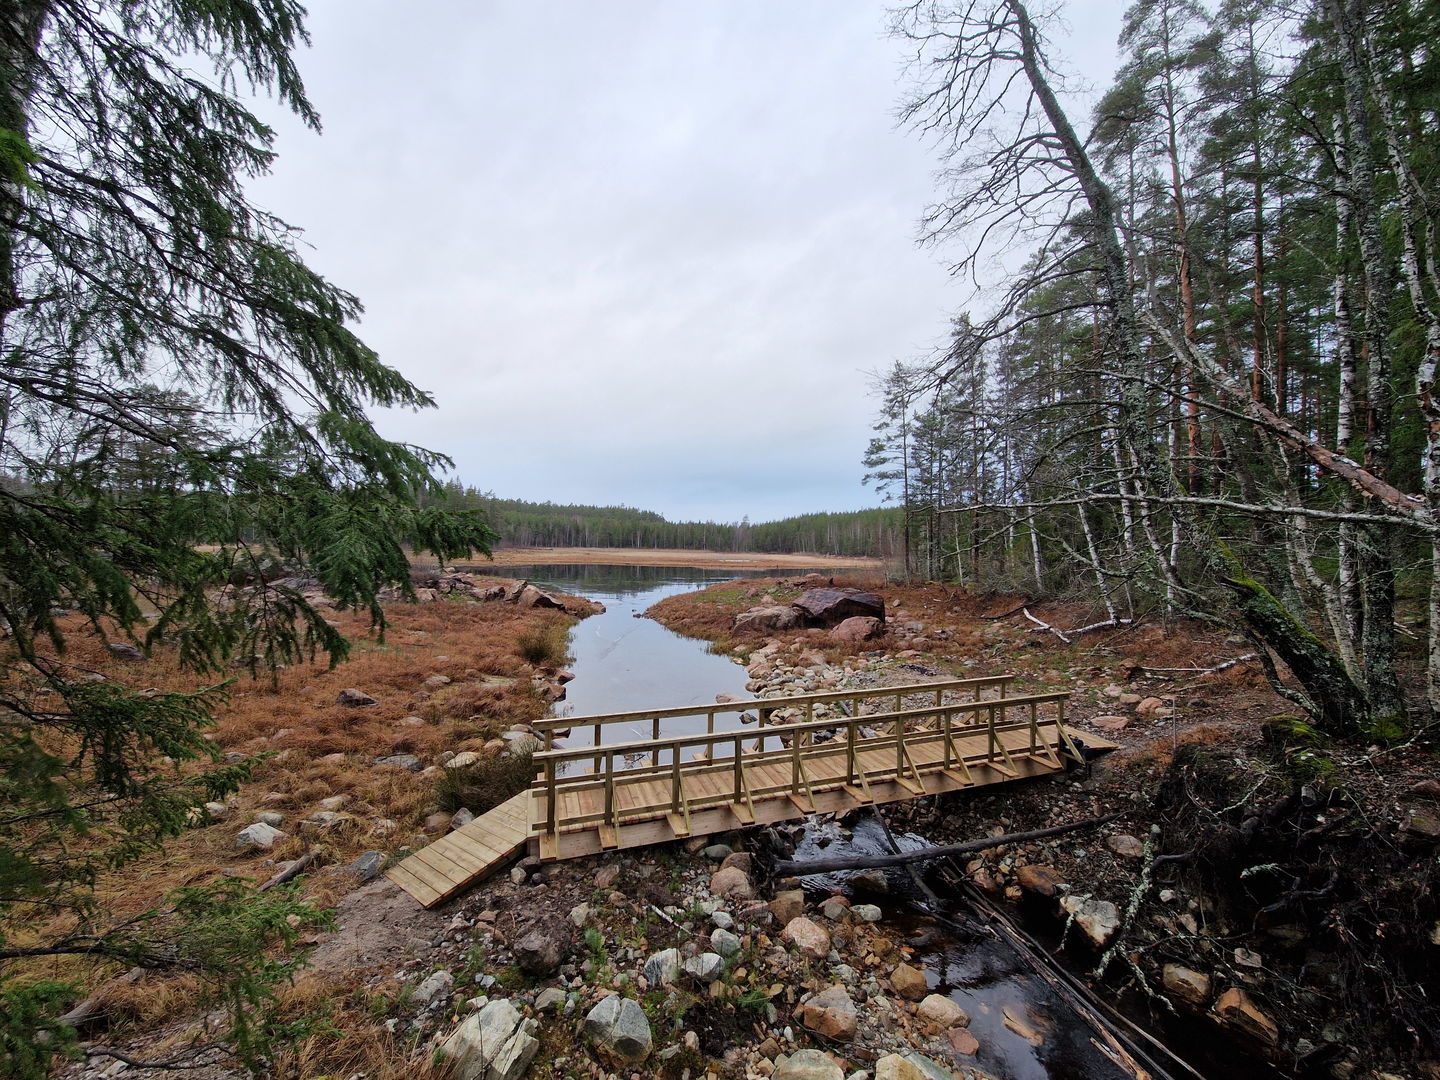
x: 831, y: 607
x: 619, y: 1030
x: 368, y: 866
x: 1097, y: 919
x: 493, y: 1044
x: 909, y: 982
x: 354, y: 699
x: 768, y: 619
x: 830, y: 1013
x: 1236, y: 1011
x: 857, y: 629
x: 124, y: 650
x: 808, y: 1065
x: 808, y: 937
x: 1111, y: 723
x: 724, y: 942
x: 531, y: 597
x: 436, y: 984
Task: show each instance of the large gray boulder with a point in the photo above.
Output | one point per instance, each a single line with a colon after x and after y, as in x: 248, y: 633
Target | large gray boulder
x: 494, y: 1044
x: 831, y: 607
x: 619, y: 1030
x: 808, y: 1065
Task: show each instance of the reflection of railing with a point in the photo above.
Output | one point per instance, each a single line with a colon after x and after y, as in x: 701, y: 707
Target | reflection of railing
x: 945, y: 738
x: 764, y: 708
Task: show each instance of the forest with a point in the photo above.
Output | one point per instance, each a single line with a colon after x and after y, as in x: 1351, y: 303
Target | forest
x: 1206, y: 388
x: 520, y: 523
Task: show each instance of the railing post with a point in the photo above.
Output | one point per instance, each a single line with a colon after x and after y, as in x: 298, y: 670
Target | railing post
x: 739, y: 778
x: 899, y: 748
x: 675, y: 780
x: 990, y: 735
x: 850, y: 751
x: 609, y: 787
x: 945, y: 733
x: 655, y: 737
x: 595, y: 742
x: 1034, y: 728
x: 551, y: 812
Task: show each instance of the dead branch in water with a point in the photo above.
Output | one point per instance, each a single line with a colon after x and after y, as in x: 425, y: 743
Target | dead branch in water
x: 867, y: 862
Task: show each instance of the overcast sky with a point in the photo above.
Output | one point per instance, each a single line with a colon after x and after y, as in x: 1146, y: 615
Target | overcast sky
x: 641, y: 251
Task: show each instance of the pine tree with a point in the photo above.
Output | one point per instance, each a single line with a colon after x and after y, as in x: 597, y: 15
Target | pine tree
x: 136, y: 275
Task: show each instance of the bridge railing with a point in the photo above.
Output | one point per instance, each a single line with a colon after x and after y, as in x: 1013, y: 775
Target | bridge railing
x: 764, y: 708
x: 728, y: 778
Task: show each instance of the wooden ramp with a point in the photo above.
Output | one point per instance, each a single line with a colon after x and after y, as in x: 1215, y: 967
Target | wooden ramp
x: 818, y: 753
x: 440, y: 870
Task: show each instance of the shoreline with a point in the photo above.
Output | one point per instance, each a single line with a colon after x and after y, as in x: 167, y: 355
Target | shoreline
x: 705, y: 560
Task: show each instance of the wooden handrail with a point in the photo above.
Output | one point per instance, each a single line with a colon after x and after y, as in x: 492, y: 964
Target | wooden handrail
x: 647, y: 746
x: 752, y: 704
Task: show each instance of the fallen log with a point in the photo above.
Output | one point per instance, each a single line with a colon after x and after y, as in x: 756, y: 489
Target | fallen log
x: 294, y: 870
x: 867, y: 862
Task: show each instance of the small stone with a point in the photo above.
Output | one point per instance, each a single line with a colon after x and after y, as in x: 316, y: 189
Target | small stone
x: 732, y: 882
x: 619, y: 1029
x: 124, y: 650
x: 835, y: 908
x: 368, y: 866
x: 259, y: 835
x: 722, y: 919
x: 724, y: 942
x: 1129, y: 847
x: 437, y: 984
x: 705, y: 968
x: 909, y: 982
x: 867, y: 912
x: 1191, y: 987
x: 962, y: 1042
x: 1098, y: 920
x: 910, y: 1066
x: 1111, y: 722
x: 830, y: 1013
x: 1238, y: 1012
x: 717, y: 852
x: 549, y: 999
x: 334, y: 803
x: 788, y: 905
x: 402, y: 761
x: 940, y: 1010
x: 663, y: 968
x: 807, y: 1065
x: 807, y: 937
x: 741, y: 859
x: 580, y: 915
x: 606, y: 876
x: 354, y: 699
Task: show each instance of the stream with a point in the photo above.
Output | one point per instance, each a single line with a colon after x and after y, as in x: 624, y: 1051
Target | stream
x: 623, y: 661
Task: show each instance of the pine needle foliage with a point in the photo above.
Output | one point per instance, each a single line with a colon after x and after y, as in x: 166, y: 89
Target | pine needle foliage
x: 183, y: 430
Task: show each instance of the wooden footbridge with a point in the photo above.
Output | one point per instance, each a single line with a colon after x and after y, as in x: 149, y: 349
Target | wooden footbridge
x: 834, y: 752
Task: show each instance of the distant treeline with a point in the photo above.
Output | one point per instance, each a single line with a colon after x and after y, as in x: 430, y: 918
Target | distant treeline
x: 528, y: 524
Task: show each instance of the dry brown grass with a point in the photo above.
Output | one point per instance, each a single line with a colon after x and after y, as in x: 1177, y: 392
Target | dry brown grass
x: 315, y: 749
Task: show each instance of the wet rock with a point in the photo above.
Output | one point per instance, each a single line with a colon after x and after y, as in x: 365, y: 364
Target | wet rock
x: 1039, y: 880
x: 732, y: 882
x: 808, y: 1065
x: 788, y: 905
x: 830, y: 1013
x: 1184, y: 984
x: 807, y: 937
x: 909, y: 982
x: 962, y: 1042
x: 1237, y: 1012
x: 354, y: 699
x: 1097, y: 919
x: 619, y: 1030
x: 1021, y: 1024
x: 940, y: 1010
x: 493, y: 1044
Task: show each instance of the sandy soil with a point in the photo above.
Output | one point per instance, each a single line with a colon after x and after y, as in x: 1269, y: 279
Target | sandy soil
x: 708, y: 560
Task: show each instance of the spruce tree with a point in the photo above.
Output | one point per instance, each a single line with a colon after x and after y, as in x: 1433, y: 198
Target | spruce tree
x: 150, y: 313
